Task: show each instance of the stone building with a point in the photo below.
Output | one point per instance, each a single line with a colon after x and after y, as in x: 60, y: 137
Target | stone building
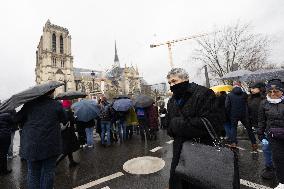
x: 115, y: 81
x: 54, y: 60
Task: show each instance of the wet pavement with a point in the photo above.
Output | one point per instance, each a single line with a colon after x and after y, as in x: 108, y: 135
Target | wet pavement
x: 99, y: 162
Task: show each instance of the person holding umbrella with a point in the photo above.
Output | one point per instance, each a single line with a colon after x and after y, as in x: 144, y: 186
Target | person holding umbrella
x: 121, y: 107
x: 41, y: 138
x: 141, y: 104
x: 86, y: 111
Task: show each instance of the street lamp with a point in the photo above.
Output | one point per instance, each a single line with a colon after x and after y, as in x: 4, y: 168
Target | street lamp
x: 93, y: 74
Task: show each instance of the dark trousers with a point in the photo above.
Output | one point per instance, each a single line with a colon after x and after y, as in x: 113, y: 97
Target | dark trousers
x: 41, y: 173
x: 163, y: 122
x: 277, y: 148
x: 4, y: 148
x: 234, y: 126
x: 82, y: 136
x: 144, y: 129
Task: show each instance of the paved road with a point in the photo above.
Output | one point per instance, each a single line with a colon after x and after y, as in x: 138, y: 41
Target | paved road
x: 100, y: 162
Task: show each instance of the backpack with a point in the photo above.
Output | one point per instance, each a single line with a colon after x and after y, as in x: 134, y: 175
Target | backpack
x: 105, y: 113
x: 140, y: 113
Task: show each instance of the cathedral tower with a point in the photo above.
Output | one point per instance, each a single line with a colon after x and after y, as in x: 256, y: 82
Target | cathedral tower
x: 116, y: 60
x: 54, y: 60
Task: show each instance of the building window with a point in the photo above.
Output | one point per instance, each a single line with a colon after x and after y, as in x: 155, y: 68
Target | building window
x: 62, y: 63
x: 53, y: 42
x: 53, y: 61
x: 61, y: 44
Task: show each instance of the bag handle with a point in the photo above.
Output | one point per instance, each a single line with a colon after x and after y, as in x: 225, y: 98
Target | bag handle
x: 210, y: 129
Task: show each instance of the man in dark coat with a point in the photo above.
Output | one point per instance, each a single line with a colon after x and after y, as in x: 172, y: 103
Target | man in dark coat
x: 190, y: 102
x: 237, y: 108
x: 5, y: 140
x: 41, y: 139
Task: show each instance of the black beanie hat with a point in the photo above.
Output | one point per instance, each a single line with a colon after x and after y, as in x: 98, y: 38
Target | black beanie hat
x: 274, y: 84
x: 258, y: 85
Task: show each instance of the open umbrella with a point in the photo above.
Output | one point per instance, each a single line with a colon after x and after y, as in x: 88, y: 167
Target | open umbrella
x: 220, y: 88
x: 86, y: 110
x: 143, y: 101
x: 122, y: 105
x: 264, y: 75
x: 28, y: 95
x: 236, y: 74
x: 70, y: 95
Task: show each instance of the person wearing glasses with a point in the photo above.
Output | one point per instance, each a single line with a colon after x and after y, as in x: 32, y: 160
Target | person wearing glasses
x: 271, y: 121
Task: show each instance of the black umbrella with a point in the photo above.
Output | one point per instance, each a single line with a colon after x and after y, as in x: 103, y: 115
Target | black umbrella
x: 70, y: 95
x: 28, y: 95
x: 143, y: 101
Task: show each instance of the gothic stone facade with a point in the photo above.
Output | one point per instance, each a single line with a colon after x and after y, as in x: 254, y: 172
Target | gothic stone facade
x: 54, y: 60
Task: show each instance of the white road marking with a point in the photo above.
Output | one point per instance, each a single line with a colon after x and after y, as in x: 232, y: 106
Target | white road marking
x: 240, y: 148
x: 156, y: 149
x: 99, y: 181
x: 169, y: 142
x: 253, y: 185
x: 106, y: 187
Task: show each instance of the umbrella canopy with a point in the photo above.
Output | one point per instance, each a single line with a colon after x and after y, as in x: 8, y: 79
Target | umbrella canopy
x: 264, y: 75
x: 220, y: 88
x: 70, y: 95
x: 143, y: 101
x: 86, y: 110
x: 28, y: 95
x: 236, y: 74
x: 122, y: 105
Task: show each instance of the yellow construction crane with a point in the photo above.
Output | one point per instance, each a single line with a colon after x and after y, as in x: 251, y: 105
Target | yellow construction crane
x: 170, y: 43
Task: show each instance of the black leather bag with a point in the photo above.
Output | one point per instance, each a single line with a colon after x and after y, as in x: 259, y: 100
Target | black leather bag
x: 206, y: 166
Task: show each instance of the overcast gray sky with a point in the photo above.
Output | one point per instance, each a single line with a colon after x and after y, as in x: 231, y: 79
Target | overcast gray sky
x: 135, y: 24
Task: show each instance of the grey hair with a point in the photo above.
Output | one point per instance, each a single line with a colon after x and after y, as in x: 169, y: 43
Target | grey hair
x: 179, y: 72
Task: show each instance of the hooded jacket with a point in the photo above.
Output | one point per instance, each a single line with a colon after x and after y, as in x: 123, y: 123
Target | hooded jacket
x: 41, y: 133
x: 236, y: 103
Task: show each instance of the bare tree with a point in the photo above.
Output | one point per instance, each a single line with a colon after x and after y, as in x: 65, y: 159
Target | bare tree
x: 233, y: 48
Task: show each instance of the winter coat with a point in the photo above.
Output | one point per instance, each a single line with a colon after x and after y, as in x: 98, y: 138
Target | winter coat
x: 254, y: 101
x: 236, y: 103
x: 220, y: 104
x: 152, y: 115
x: 270, y: 116
x: 184, y: 123
x: 131, y: 117
x: 41, y: 133
x: 69, y: 139
x: 5, y: 125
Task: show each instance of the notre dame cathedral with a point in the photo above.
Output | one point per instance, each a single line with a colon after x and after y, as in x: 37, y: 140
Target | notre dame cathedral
x: 54, y: 61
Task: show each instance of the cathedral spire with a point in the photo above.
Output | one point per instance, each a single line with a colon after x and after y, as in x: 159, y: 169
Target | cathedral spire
x: 116, y: 60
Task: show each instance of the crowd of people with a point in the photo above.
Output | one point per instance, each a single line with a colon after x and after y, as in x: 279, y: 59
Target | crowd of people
x: 50, y: 130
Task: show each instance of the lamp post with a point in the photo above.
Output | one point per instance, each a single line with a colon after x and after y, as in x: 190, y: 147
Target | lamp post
x: 93, y: 74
